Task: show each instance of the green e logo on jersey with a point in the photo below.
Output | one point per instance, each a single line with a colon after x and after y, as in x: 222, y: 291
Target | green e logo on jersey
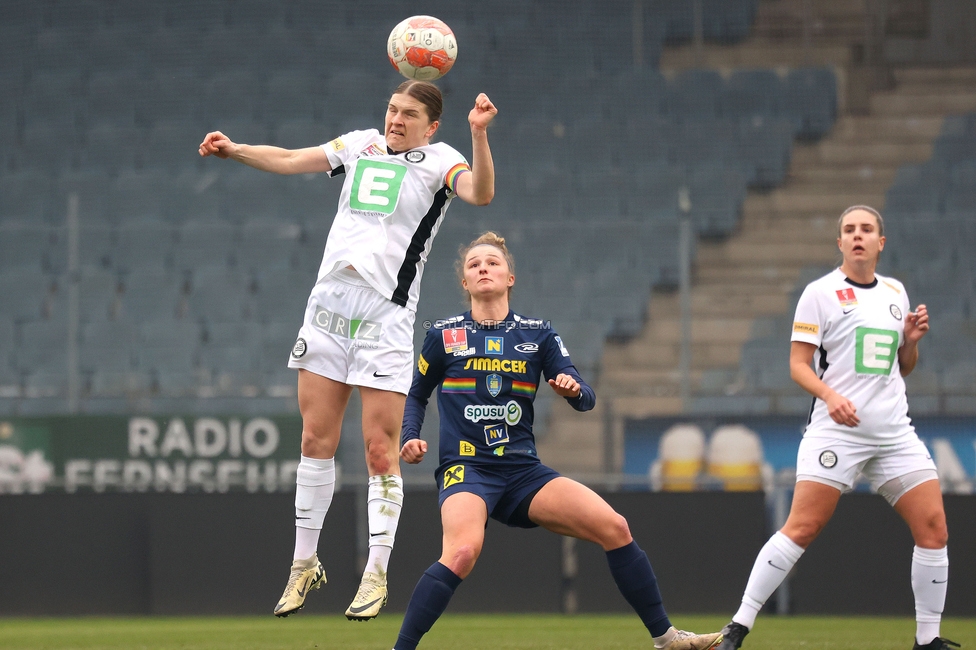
x: 874, y: 351
x: 376, y: 186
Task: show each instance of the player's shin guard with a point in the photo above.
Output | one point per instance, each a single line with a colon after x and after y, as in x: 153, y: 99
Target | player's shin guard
x: 314, y: 487
x: 773, y: 564
x: 429, y: 600
x: 635, y: 579
x: 930, y: 575
x: 384, y: 500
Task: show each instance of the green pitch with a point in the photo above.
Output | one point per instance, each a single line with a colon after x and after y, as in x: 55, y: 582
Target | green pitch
x: 453, y: 632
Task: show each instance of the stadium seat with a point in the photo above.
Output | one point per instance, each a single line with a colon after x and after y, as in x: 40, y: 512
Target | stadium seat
x: 173, y: 94
x: 42, y: 346
x: 267, y: 242
x: 49, y: 146
x: 152, y: 294
x: 98, y: 294
x: 694, y: 95
x: 138, y: 194
x: 232, y: 94
x: 218, y: 293
x: 24, y: 243
x: 752, y: 93
x: 250, y: 194
x: 681, y: 454
x: 172, y: 145
x: 110, y: 146
x: 735, y: 459
x: 204, y: 243
x: 95, y: 245
x: 25, y: 293
x: 91, y: 186
x: 143, y: 243
x: 282, y: 294
x: 810, y: 99
x: 291, y: 95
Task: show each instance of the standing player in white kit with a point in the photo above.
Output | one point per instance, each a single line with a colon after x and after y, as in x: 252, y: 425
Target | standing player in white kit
x: 358, y: 328
x: 858, y: 330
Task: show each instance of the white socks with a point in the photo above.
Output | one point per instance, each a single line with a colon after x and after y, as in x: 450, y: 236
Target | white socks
x: 314, y: 487
x: 384, y: 500
x: 930, y: 573
x: 773, y: 563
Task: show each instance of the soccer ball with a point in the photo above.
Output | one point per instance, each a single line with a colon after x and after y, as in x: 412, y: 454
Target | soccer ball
x: 422, y: 48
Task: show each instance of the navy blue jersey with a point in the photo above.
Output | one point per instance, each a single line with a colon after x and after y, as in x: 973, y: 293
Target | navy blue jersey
x: 486, y: 379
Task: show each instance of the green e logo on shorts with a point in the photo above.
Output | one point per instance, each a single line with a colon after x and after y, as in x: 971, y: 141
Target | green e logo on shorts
x: 376, y: 186
x: 874, y: 351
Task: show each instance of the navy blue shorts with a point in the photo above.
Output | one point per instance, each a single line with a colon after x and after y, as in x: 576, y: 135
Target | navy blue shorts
x: 503, y: 489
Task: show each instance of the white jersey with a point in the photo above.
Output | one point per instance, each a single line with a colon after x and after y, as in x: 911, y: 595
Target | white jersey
x: 390, y: 209
x: 858, y: 330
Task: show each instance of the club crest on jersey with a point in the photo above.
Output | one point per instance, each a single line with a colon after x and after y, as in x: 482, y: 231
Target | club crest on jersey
x: 895, y: 311
x: 496, y: 434
x: 494, y: 384
x: 846, y: 297
x: 494, y: 345
x: 455, y: 340
x: 415, y: 156
x: 300, y: 349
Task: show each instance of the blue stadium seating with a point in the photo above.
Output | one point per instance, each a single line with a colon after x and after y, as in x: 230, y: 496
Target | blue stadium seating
x: 109, y: 100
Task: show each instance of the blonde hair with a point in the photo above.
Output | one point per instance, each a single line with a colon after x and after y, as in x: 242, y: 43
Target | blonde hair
x: 485, y: 239
x: 866, y: 208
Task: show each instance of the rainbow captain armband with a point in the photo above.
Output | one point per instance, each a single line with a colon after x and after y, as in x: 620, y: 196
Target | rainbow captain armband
x: 454, y: 174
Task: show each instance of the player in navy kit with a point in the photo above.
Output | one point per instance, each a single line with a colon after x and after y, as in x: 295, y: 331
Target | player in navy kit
x: 358, y: 328
x: 486, y: 365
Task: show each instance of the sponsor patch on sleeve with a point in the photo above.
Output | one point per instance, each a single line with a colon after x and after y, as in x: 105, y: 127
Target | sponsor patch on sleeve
x: 422, y: 365
x: 337, y: 144
x: 806, y: 328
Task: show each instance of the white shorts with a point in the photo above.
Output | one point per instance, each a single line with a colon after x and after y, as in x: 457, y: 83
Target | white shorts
x: 839, y: 463
x: 354, y: 335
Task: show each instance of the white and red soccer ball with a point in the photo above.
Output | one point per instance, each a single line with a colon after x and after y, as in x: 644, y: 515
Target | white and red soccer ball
x: 422, y: 48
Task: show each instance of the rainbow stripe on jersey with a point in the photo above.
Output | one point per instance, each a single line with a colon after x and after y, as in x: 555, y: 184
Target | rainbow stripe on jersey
x: 454, y: 174
x: 523, y: 388
x: 459, y: 385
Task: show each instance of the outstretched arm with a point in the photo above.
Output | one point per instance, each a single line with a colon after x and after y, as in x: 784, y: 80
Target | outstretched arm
x: 265, y: 157
x: 478, y: 187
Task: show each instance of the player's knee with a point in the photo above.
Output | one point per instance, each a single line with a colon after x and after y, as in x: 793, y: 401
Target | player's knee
x: 463, y: 559
x: 378, y: 458
x: 802, y: 533
x: 935, y: 534
x: 617, y: 532
x: 316, y: 444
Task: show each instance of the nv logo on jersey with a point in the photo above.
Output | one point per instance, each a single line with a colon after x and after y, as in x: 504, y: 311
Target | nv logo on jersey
x: 376, y: 186
x: 453, y: 475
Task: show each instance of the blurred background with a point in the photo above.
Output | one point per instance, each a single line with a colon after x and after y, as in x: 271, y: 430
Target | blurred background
x: 669, y: 175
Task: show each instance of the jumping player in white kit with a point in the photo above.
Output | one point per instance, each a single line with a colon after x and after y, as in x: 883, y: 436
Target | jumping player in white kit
x: 358, y: 328
x: 858, y: 330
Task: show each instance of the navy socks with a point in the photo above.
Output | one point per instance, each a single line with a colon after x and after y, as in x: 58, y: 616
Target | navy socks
x: 429, y: 600
x: 635, y: 578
